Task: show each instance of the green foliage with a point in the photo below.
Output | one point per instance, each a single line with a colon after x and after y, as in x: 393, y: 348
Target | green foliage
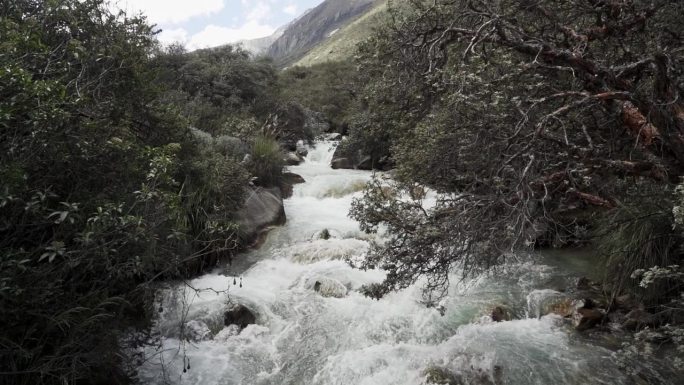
x: 427, y: 243
x: 218, y: 89
x: 103, y: 189
x: 266, y: 163
x: 482, y: 102
x: 636, y: 239
x: 327, y: 88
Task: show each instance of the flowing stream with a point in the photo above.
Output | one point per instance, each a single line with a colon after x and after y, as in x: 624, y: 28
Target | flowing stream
x: 304, y: 337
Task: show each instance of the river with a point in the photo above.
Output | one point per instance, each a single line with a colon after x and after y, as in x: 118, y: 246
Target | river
x: 303, y: 337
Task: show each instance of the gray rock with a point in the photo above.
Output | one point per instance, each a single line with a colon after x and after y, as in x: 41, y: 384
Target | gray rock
x: 302, y: 150
x: 500, y: 314
x: 293, y: 159
x: 197, y: 331
x: 585, y: 319
x: 292, y: 178
x: 262, y: 208
x: 328, y: 287
x: 341, y: 163
x: 441, y: 376
x: 366, y: 163
x: 289, y: 180
x: 332, y: 136
x: 239, y: 315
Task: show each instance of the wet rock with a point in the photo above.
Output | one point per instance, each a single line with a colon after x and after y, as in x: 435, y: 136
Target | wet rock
x: 500, y: 314
x: 324, y: 234
x: 301, y: 149
x: 341, y: 163
x: 366, y: 163
x: 239, y: 315
x: 332, y: 136
x: 292, y: 178
x: 585, y: 318
x: 292, y: 159
x: 564, y: 307
x: 262, y: 208
x: 546, y: 301
x: 441, y: 376
x: 328, y: 287
x: 197, y: 331
x: 287, y: 184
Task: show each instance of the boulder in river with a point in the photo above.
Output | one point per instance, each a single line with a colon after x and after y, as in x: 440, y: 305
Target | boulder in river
x: 341, y: 163
x: 441, y: 376
x: 332, y: 136
x: 585, y: 318
x: 293, y: 159
x: 197, y: 331
x: 301, y: 149
x: 324, y: 234
x: 328, y: 287
x: 500, y: 314
x: 292, y: 178
x: 366, y: 163
x: 564, y: 307
x: 239, y: 315
x: 262, y: 208
x: 289, y: 180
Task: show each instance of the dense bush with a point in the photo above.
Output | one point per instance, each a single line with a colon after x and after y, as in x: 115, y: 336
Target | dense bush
x: 218, y: 90
x: 533, y: 121
x: 103, y: 188
x: 266, y: 163
x: 328, y: 88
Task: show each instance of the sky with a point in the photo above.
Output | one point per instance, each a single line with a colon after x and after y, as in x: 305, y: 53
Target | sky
x: 210, y: 23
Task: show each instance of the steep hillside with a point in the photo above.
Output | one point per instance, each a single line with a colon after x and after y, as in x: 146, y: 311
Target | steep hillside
x: 316, y: 26
x: 260, y: 45
x: 341, y: 43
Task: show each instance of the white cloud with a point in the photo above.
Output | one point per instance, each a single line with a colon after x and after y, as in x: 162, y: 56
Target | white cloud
x: 165, y: 11
x: 214, y: 35
x: 169, y: 36
x: 259, y: 12
x: 290, y: 9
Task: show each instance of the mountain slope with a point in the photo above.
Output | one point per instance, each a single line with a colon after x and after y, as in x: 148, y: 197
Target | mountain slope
x: 261, y: 45
x: 316, y: 26
x: 342, y: 43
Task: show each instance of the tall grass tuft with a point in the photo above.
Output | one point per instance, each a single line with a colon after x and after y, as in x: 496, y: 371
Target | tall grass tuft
x: 639, y: 238
x: 267, y: 161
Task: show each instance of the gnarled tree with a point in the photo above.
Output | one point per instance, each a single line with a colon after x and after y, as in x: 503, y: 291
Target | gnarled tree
x: 530, y: 116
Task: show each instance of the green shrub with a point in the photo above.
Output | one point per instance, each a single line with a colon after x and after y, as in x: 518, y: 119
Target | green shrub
x: 267, y: 161
x: 638, y: 238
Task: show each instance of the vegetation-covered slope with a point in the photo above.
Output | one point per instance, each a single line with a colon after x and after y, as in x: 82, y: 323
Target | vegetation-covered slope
x: 315, y: 26
x: 545, y: 124
x: 341, y: 45
x: 121, y: 164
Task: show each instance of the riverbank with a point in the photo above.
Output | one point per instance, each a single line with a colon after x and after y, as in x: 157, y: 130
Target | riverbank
x: 313, y: 326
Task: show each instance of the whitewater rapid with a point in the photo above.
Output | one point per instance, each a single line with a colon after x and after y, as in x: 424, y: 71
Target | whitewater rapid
x: 302, y: 337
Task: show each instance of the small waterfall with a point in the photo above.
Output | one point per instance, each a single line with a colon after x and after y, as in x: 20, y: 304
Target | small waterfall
x: 314, y: 327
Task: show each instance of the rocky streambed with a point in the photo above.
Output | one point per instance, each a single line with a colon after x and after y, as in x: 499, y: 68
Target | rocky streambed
x: 291, y: 313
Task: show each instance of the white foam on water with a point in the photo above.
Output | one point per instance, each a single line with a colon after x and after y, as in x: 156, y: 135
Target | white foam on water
x: 303, y: 337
